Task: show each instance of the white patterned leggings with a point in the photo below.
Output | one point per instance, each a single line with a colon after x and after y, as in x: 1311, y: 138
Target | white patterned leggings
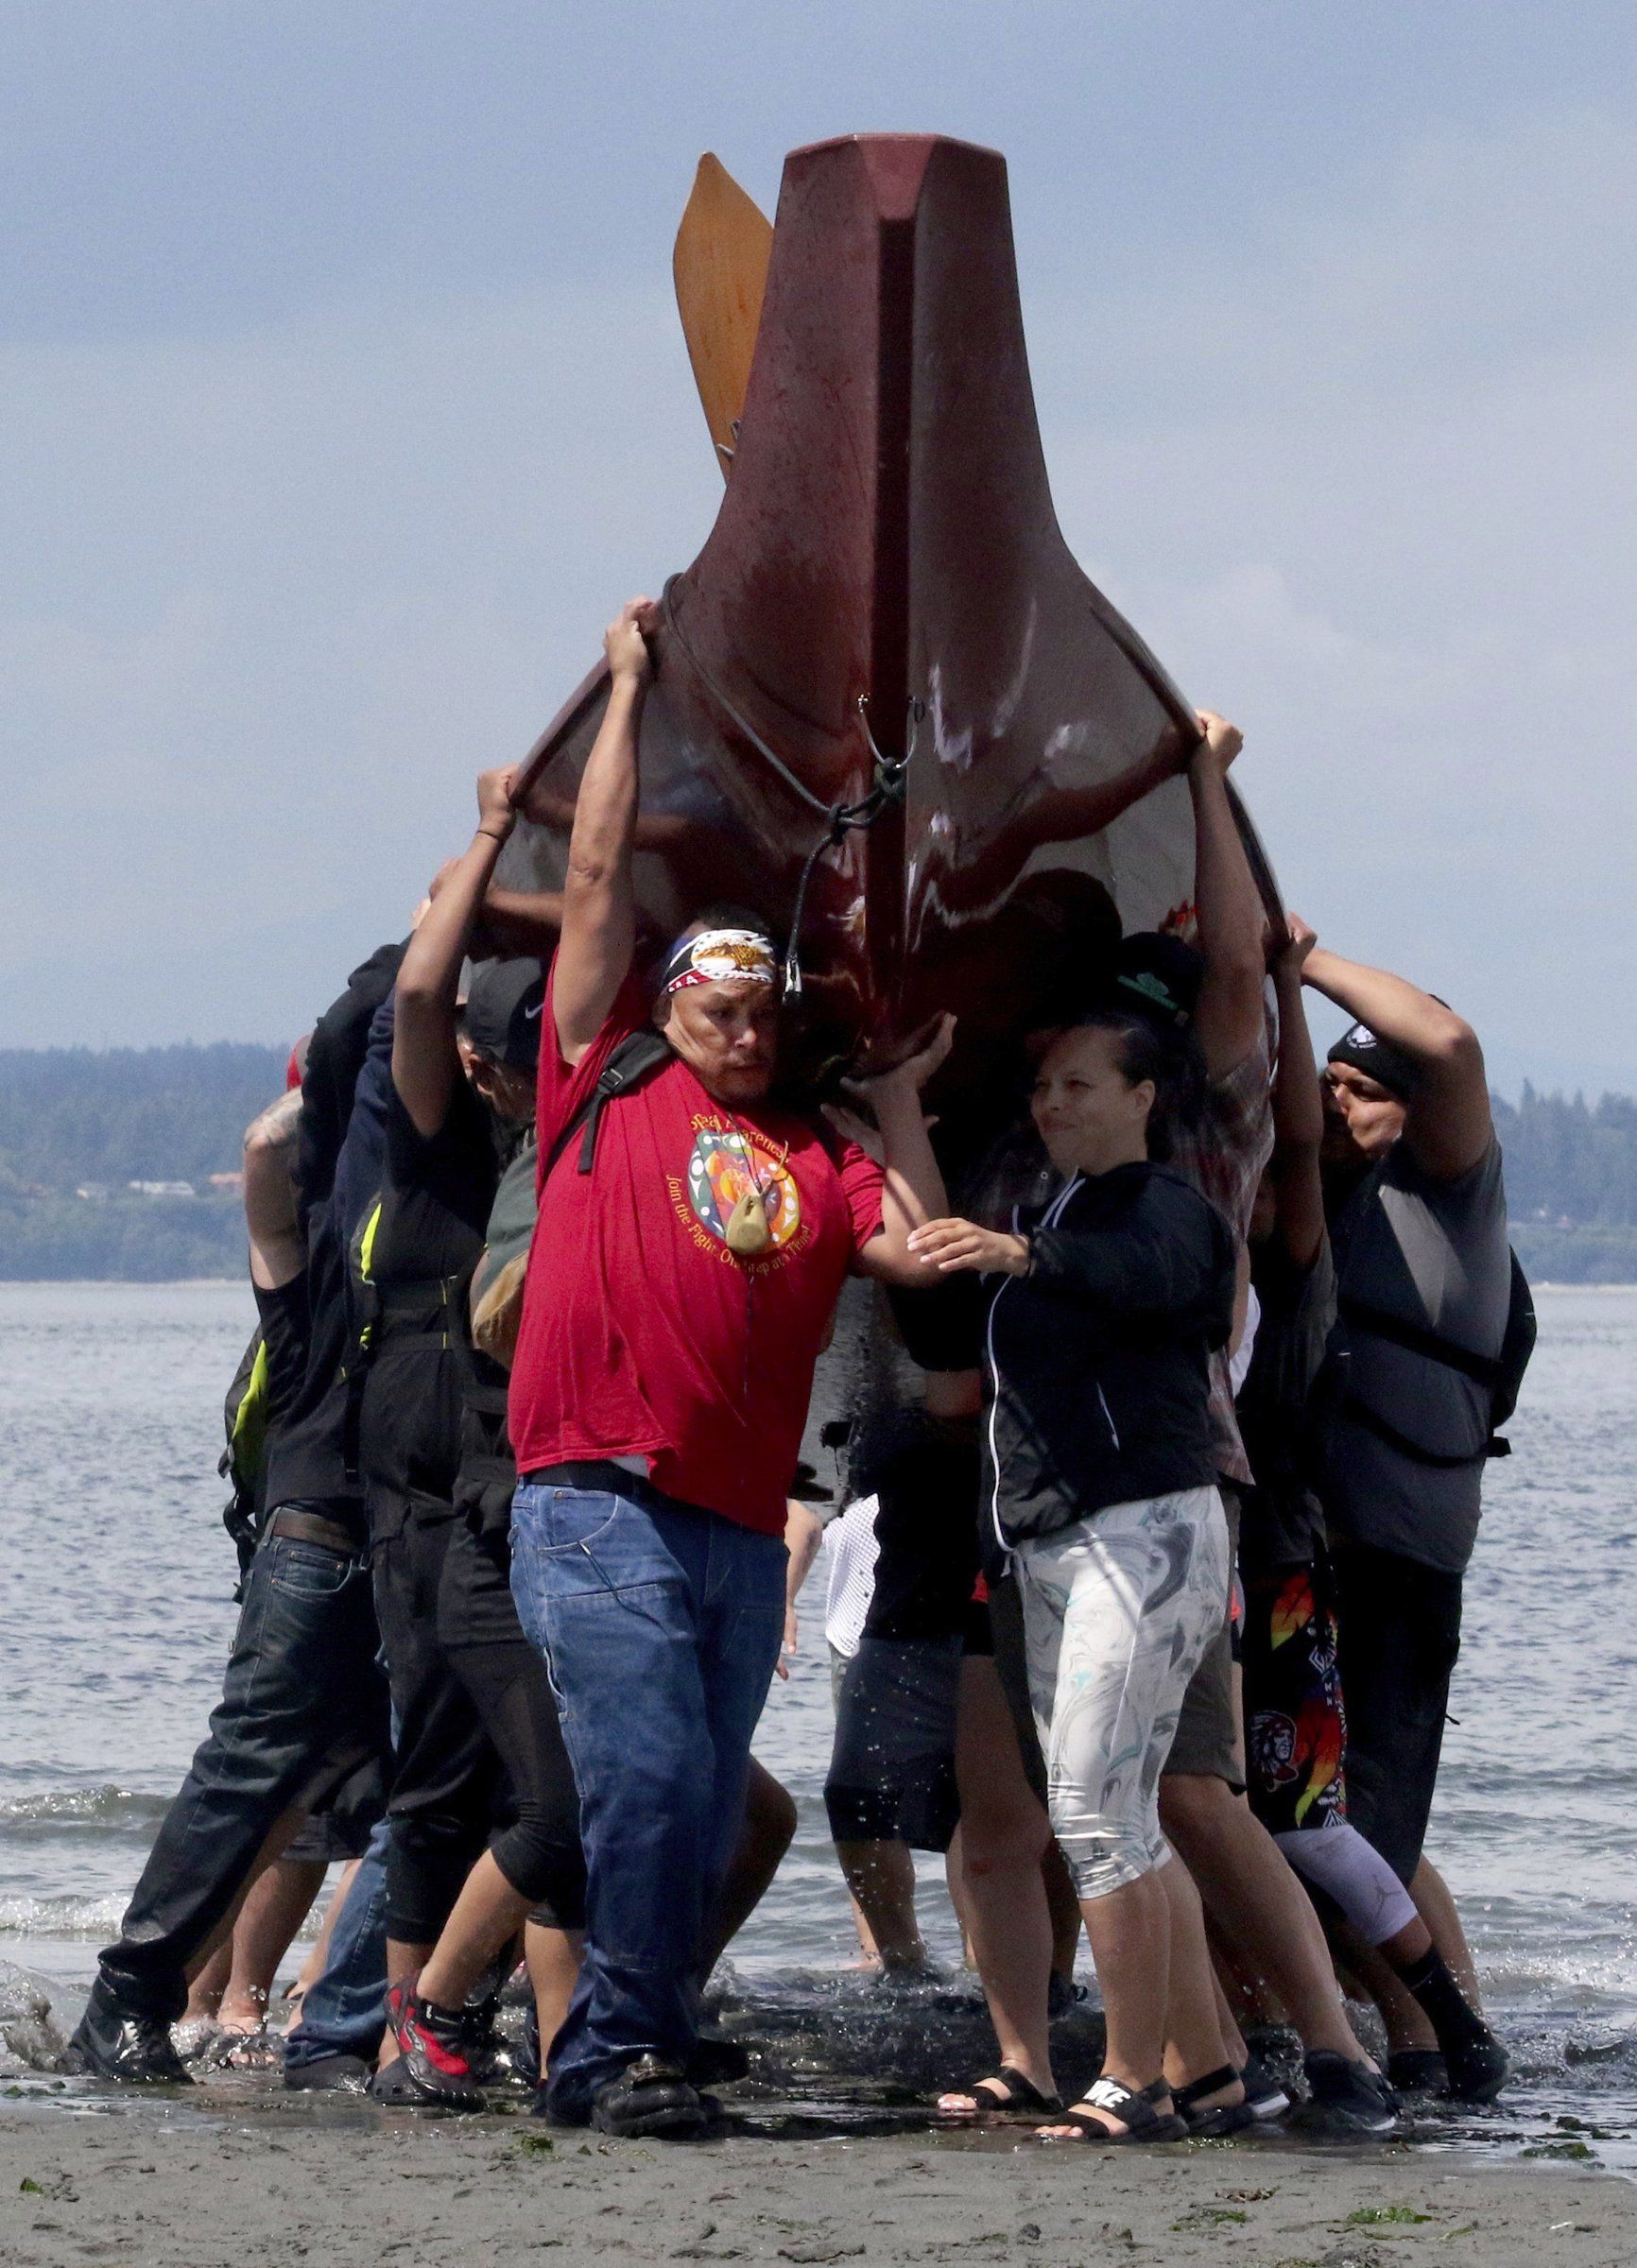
x: 1118, y: 1611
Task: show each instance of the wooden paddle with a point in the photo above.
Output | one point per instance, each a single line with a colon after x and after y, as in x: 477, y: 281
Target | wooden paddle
x: 720, y: 267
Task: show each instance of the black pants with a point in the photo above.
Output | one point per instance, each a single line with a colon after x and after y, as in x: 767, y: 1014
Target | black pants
x: 446, y: 1774
x: 540, y: 1853
x: 1400, y: 1634
x: 303, y: 1704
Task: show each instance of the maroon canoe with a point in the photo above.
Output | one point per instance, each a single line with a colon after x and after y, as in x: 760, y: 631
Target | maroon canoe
x: 886, y: 622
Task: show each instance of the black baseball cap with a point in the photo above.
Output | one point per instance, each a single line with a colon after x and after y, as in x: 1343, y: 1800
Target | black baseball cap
x: 504, y: 1006
x: 1159, y: 974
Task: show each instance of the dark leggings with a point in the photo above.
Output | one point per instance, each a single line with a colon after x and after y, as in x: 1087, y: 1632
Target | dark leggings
x: 505, y: 1678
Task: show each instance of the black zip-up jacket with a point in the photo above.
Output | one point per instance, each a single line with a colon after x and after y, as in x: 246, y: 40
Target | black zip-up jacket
x: 1097, y: 1358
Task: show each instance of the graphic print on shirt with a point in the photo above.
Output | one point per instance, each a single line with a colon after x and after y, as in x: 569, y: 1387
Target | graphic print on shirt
x: 727, y: 1163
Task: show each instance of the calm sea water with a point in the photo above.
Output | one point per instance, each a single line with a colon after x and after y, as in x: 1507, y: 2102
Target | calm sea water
x: 115, y: 1617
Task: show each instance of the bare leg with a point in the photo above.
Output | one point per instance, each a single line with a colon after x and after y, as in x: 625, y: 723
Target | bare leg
x: 1232, y: 2038
x: 280, y: 1833
x: 1064, y: 1909
x: 1437, y: 1910
x: 1239, y: 2001
x: 1257, y: 1907
x: 204, y: 1992
x: 881, y: 1880
x: 1194, y: 2044
x: 1130, y: 1932
x: 553, y: 1971
x: 272, y: 1913
x: 1407, y: 2026
x: 954, y: 1877
x: 769, y: 1831
x: 1004, y: 1835
x: 487, y: 1914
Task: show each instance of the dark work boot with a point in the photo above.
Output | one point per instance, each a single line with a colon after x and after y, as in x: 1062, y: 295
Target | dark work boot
x: 650, y: 2098
x: 115, y: 2042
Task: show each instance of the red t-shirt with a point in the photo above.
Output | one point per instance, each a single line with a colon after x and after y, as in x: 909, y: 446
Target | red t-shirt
x: 643, y: 1335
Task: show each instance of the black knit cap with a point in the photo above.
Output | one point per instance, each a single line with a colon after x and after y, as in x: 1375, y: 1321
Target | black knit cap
x: 1378, y: 1059
x: 503, y: 1009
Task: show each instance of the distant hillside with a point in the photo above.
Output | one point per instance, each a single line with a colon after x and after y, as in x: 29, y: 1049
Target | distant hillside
x: 72, y: 1119
x: 150, y: 1114
x: 1572, y: 1185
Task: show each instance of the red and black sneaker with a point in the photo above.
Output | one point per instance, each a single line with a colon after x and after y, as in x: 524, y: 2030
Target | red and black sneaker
x: 432, y: 2044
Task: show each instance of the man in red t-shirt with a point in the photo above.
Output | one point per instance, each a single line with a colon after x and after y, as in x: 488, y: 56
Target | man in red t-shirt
x: 678, y: 1298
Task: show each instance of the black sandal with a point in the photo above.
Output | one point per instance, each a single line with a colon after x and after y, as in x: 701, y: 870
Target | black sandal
x: 1215, y: 2119
x: 1133, y: 2107
x: 1021, y: 2097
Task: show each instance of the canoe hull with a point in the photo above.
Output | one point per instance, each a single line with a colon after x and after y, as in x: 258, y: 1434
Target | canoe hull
x: 887, y: 545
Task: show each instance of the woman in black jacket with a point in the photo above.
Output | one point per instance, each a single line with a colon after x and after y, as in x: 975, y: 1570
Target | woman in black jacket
x: 1100, y: 1482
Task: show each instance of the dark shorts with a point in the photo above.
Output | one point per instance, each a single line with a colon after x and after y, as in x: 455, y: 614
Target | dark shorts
x: 1207, y: 1745
x: 1401, y: 1632
x: 1295, y: 1728
x: 892, y: 1769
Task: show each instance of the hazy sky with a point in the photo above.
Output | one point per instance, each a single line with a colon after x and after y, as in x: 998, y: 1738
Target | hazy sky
x: 344, y: 398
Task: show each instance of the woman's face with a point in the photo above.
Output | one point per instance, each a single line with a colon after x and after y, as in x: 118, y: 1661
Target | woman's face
x: 1089, y: 1115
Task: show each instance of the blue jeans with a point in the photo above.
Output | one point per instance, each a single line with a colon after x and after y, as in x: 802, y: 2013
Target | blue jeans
x: 660, y: 1624
x: 345, y: 2011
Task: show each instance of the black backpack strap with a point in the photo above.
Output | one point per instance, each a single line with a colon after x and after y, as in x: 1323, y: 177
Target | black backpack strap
x: 1483, y: 1370
x: 1373, y: 1422
x: 637, y: 1055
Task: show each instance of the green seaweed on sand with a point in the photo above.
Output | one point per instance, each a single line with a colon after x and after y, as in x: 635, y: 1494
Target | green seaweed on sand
x: 1373, y: 2216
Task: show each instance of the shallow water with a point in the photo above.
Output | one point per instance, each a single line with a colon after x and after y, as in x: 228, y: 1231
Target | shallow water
x: 116, y: 1614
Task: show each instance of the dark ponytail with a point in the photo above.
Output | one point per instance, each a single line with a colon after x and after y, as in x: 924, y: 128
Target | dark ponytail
x: 1166, y: 1056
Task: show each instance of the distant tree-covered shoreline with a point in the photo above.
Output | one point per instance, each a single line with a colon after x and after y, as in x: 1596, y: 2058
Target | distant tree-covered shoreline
x: 74, y: 1119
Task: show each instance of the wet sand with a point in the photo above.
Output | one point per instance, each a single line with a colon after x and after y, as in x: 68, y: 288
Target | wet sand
x: 206, y: 2181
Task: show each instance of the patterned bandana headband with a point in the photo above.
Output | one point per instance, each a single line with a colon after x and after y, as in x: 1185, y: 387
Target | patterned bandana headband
x: 718, y: 955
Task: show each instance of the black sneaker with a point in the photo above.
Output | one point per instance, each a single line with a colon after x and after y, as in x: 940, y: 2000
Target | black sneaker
x: 1417, y: 2071
x: 432, y: 2047
x: 1347, y: 2098
x: 341, y: 2074
x: 1478, y: 2067
x: 115, y: 2042
x: 1265, y: 2096
x: 650, y: 2098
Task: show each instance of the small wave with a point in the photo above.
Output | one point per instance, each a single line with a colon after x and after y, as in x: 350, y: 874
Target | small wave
x: 101, y: 1808
x: 97, y: 1917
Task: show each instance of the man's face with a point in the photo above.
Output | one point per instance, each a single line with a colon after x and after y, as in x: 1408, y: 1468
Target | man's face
x: 1362, y: 1119
x: 510, y: 1094
x: 727, y: 1033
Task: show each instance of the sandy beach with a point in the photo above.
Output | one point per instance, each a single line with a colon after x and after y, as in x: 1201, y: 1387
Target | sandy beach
x: 194, y: 2184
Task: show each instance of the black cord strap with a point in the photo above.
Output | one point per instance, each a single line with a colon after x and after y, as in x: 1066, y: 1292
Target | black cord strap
x: 839, y: 819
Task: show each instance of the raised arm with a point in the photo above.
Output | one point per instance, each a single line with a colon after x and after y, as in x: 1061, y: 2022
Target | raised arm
x: 1447, y: 1122
x: 278, y: 1249
x: 912, y: 1190
x: 523, y: 923
x: 425, y: 1064
x: 598, y: 909
x: 1228, y: 1019
x: 1297, y: 1110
